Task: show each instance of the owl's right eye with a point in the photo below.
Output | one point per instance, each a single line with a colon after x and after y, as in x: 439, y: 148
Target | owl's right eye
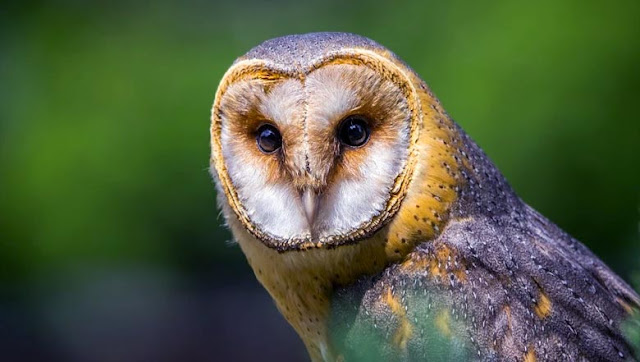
x: 268, y: 139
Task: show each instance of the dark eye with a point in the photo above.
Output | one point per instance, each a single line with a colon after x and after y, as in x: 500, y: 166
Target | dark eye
x: 354, y: 131
x: 269, y: 139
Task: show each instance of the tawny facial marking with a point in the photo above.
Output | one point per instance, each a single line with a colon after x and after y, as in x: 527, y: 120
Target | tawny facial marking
x: 357, y: 147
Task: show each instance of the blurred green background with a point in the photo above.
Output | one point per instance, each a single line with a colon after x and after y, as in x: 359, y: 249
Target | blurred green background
x: 111, y: 247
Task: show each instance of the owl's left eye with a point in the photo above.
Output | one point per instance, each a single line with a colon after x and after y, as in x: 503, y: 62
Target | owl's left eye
x: 268, y: 139
x: 354, y: 131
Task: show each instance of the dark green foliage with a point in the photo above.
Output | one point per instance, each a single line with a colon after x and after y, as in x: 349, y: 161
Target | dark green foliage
x: 104, y: 114
x: 631, y: 327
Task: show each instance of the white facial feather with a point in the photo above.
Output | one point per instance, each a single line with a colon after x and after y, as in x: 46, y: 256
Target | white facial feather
x: 273, y: 207
x: 283, y: 102
x: 354, y: 202
x: 351, y: 202
x: 331, y: 99
x: 315, y: 106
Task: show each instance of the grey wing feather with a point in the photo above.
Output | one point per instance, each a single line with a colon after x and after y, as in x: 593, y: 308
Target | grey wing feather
x: 507, y: 288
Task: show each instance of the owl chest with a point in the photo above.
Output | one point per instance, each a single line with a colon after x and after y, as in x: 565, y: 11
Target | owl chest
x: 302, y: 283
x: 301, y: 295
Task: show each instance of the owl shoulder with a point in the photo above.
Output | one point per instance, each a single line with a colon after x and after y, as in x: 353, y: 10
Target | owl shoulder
x: 488, y: 288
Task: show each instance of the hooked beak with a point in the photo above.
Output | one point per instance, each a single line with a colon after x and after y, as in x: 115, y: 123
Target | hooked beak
x: 310, y: 204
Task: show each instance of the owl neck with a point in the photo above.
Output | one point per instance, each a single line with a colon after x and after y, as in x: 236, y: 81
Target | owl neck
x: 301, y: 282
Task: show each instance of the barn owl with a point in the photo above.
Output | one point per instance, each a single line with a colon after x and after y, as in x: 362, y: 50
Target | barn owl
x: 381, y: 230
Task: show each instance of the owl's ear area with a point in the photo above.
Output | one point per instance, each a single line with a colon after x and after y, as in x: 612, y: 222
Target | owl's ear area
x: 239, y: 108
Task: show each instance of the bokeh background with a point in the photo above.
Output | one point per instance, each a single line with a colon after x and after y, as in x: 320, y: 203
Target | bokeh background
x: 110, y: 241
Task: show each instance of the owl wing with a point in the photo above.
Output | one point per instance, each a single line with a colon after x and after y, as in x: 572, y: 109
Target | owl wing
x: 488, y: 289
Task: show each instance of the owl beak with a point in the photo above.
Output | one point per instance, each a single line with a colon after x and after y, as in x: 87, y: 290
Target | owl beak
x: 310, y: 204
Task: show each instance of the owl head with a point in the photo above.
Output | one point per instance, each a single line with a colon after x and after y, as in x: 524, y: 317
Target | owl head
x: 313, y: 139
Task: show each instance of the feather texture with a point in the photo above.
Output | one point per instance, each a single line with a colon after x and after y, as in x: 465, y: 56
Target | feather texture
x: 420, y: 250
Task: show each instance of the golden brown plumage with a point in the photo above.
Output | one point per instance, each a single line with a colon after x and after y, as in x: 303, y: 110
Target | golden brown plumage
x: 410, y: 245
